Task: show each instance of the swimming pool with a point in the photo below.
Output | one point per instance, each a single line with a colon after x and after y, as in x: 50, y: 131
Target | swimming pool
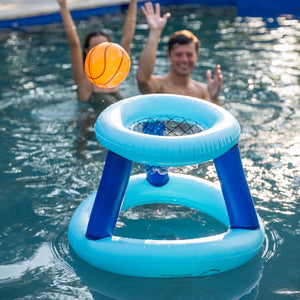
x: 50, y: 159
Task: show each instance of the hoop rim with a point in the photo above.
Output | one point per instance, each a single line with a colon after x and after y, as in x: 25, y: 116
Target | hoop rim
x: 221, y: 132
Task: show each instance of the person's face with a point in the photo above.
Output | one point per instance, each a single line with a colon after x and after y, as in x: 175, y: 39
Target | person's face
x: 95, y: 40
x: 183, y: 58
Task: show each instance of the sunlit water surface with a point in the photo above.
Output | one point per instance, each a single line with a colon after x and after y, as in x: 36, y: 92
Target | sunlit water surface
x: 51, y: 161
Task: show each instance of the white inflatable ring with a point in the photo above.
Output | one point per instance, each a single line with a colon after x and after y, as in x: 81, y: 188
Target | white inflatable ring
x: 167, y: 258
x: 113, y: 131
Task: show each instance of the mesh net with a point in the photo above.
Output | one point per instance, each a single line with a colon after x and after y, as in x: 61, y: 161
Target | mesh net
x: 167, y: 126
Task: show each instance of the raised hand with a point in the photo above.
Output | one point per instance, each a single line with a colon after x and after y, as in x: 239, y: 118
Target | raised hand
x: 154, y: 20
x: 214, y: 85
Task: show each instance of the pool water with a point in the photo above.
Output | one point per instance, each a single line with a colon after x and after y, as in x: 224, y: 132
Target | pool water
x: 50, y: 160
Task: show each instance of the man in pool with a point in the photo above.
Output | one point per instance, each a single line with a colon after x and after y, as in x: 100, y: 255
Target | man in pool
x: 183, y: 54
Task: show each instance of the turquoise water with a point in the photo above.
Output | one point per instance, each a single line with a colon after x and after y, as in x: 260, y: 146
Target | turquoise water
x: 51, y: 161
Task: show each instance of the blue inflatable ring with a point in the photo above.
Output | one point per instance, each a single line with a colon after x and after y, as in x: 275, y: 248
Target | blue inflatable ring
x: 167, y: 258
x: 91, y: 227
x: 113, y: 130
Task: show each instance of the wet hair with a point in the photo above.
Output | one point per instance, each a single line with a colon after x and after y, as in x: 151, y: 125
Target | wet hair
x: 90, y: 35
x: 183, y: 37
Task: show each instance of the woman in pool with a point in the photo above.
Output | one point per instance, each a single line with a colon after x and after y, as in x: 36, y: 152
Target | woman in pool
x: 86, y: 91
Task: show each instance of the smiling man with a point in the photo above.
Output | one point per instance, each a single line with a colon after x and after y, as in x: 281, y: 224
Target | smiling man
x: 183, y: 54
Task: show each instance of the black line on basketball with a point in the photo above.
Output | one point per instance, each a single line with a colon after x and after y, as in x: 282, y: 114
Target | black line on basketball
x: 116, y: 70
x: 104, y: 67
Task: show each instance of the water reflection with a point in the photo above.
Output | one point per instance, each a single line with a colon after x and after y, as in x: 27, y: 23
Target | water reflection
x: 230, y: 285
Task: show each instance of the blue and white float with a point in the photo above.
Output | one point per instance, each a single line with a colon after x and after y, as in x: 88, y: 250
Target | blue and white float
x: 92, y: 224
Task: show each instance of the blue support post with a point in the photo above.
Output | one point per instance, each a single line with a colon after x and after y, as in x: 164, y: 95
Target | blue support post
x: 235, y: 190
x: 156, y: 175
x: 109, y: 196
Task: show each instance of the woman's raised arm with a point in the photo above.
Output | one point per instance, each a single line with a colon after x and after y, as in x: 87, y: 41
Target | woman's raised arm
x: 84, y: 87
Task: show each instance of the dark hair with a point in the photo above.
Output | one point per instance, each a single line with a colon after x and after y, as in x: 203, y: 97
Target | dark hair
x: 90, y: 35
x: 183, y: 37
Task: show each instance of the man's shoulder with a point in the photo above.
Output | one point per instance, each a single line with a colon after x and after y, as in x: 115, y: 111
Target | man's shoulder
x: 198, y: 84
x: 200, y: 89
x: 154, y: 85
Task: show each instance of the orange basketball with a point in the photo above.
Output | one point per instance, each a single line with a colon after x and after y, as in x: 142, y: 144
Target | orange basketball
x: 107, y: 65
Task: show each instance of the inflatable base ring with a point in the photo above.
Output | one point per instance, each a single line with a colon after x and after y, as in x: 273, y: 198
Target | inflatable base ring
x: 167, y: 258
